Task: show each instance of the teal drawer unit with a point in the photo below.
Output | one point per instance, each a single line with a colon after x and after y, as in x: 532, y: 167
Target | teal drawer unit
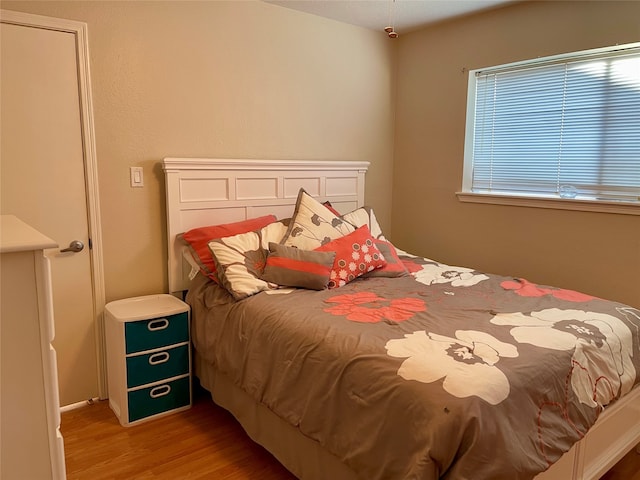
x: 156, y: 332
x: 151, y: 367
x: 148, y: 357
x: 164, y: 397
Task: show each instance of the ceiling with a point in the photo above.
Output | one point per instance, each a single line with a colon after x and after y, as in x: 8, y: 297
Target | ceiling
x: 377, y: 14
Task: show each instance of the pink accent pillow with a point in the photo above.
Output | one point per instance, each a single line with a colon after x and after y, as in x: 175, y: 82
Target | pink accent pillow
x: 356, y: 254
x: 199, y: 238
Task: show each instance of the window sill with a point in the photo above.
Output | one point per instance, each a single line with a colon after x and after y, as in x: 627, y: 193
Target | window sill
x: 585, y: 205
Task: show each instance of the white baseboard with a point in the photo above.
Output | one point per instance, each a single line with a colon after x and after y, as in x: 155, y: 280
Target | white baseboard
x: 73, y: 406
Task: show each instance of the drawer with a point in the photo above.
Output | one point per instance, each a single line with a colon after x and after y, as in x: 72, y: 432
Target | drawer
x: 159, y: 398
x: 153, y: 367
x: 156, y: 332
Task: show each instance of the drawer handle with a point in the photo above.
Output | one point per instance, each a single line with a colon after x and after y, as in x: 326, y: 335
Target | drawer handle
x: 158, y: 324
x: 159, y: 357
x: 160, y: 391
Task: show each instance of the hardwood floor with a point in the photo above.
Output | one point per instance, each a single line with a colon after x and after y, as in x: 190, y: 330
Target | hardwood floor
x: 204, y: 442
x: 626, y: 469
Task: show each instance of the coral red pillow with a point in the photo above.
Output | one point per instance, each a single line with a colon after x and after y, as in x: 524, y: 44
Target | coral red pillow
x: 199, y: 238
x: 356, y: 254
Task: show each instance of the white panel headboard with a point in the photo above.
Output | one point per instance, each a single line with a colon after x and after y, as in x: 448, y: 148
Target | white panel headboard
x: 201, y: 191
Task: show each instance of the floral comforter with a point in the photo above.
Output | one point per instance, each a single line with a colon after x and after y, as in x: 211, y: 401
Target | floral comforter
x: 446, y: 373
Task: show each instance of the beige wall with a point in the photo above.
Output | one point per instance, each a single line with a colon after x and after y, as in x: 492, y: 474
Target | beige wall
x: 246, y: 79
x: 237, y: 79
x: 593, y: 252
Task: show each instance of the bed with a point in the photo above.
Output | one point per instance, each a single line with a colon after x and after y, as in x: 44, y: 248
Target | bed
x: 414, y: 369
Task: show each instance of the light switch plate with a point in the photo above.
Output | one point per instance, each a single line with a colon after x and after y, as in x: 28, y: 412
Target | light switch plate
x: 137, y: 178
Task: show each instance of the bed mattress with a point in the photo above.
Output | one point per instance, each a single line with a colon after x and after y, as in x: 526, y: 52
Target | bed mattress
x: 445, y: 373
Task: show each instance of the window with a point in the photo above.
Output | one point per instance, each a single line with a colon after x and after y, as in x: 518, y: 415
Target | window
x: 559, y: 128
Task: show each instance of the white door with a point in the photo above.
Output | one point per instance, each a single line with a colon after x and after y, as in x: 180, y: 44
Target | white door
x: 42, y: 174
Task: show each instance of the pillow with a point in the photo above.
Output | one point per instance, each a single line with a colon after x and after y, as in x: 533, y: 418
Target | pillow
x: 394, y: 267
x: 240, y: 259
x: 365, y: 216
x: 313, y: 224
x: 328, y: 205
x: 292, y: 267
x: 198, y: 240
x: 187, y: 255
x: 356, y: 254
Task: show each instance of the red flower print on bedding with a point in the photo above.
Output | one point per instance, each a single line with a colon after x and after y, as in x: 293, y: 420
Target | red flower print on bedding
x: 548, y: 426
x: 368, y: 307
x: 524, y: 288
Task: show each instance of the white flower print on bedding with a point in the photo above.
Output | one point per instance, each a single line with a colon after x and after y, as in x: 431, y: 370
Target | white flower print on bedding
x: 467, y: 363
x: 602, y: 368
x: 457, y: 276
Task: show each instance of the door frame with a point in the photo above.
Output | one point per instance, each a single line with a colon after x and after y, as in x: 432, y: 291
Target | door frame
x: 80, y: 32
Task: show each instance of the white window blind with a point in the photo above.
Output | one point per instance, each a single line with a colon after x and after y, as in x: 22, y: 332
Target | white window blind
x: 559, y: 128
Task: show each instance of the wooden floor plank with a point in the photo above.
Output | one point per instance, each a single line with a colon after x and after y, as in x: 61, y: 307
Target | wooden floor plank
x: 204, y: 442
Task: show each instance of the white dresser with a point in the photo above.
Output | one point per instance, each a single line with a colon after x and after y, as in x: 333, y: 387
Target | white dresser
x: 31, y: 445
